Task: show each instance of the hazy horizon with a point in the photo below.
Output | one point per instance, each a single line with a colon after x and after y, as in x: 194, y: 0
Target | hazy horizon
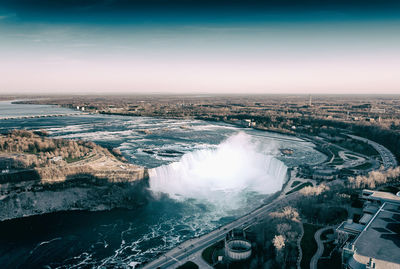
x: 199, y: 47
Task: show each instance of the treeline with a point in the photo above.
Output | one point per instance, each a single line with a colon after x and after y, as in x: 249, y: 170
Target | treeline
x: 276, y: 239
x: 28, y: 149
x: 322, y: 204
x: 375, y: 178
x: 63, y: 172
x: 381, y: 134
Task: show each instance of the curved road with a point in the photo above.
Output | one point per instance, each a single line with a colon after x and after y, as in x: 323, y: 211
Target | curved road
x: 320, y: 250
x: 300, y: 257
x: 388, y: 159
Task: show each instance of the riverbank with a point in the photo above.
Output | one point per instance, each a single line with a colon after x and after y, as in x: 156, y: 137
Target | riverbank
x: 42, y: 175
x: 73, y: 196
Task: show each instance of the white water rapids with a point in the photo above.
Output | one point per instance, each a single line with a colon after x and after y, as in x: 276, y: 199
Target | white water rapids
x: 223, y: 174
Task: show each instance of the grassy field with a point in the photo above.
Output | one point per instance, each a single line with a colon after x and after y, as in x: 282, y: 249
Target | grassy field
x: 337, y: 161
x: 308, y: 244
x: 324, y: 234
x: 333, y: 263
x: 295, y: 183
x: 188, y: 265
x: 391, y: 189
x: 208, y: 252
x: 305, y: 184
x: 328, y: 248
x: 363, y: 166
x: 359, y: 147
x: 72, y: 160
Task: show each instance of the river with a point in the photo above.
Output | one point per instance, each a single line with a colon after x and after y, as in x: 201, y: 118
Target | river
x: 224, y: 167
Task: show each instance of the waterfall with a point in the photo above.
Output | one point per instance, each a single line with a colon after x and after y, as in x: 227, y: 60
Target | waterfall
x: 237, y: 165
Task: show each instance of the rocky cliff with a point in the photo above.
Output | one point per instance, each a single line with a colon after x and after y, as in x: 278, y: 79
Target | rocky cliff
x: 84, y: 192
x: 40, y: 175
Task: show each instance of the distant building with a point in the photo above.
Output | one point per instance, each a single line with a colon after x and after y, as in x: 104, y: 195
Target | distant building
x: 377, y: 110
x: 324, y: 173
x: 57, y: 159
x: 374, y: 242
x: 248, y: 123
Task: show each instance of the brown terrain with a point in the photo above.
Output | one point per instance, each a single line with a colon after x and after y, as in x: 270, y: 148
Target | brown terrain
x: 41, y: 175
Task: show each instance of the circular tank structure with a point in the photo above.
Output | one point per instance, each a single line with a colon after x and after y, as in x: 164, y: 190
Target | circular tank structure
x: 238, y: 249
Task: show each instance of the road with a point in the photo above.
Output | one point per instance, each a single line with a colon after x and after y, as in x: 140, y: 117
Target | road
x: 179, y: 254
x: 320, y: 250
x: 388, y: 159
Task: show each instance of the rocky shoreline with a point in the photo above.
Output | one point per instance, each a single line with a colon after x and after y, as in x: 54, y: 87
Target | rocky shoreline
x: 40, y: 175
x: 92, y: 195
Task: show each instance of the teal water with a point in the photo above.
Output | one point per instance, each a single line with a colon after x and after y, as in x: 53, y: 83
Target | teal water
x: 122, y: 238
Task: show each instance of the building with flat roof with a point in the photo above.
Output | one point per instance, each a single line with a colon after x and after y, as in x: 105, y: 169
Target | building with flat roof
x: 380, y: 197
x: 347, y: 230
x: 374, y: 242
x: 378, y: 245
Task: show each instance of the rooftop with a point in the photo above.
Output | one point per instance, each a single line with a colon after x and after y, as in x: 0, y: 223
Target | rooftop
x: 365, y: 218
x: 351, y: 227
x: 381, y: 238
x: 370, y: 208
x: 387, y: 196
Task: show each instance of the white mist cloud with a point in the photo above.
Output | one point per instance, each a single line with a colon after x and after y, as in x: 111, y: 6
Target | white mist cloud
x: 221, y: 175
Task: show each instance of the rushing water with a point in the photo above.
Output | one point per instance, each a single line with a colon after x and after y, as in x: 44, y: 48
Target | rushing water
x: 212, y: 173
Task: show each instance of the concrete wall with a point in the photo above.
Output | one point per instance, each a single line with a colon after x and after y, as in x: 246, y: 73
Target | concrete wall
x: 238, y: 249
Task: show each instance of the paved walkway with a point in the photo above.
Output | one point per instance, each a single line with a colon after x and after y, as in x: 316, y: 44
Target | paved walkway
x: 348, y: 163
x: 320, y: 250
x: 299, y: 246
x: 292, y: 179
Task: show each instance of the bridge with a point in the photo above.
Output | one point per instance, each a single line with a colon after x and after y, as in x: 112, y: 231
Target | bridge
x: 193, y: 247
x: 280, y: 138
x: 41, y: 116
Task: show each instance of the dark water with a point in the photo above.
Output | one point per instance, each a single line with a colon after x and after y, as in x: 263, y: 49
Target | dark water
x: 83, y: 239
x: 122, y: 238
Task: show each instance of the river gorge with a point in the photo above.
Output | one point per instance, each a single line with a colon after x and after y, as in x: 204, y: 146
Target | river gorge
x: 202, y: 175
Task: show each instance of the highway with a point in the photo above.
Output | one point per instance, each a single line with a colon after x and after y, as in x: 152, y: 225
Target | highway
x: 388, y: 159
x: 175, y: 256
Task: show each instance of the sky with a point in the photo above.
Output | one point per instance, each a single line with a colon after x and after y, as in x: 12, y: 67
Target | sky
x: 193, y: 46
